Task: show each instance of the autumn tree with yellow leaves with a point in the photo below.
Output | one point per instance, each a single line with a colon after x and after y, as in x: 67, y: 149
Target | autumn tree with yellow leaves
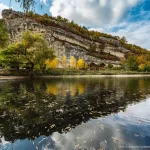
x: 52, y: 63
x: 73, y: 62
x: 80, y: 64
x: 64, y: 62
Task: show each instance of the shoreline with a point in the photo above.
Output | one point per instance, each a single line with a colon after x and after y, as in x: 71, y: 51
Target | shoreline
x: 74, y: 76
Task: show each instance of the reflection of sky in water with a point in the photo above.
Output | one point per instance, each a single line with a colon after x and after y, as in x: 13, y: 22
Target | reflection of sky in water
x: 125, y: 128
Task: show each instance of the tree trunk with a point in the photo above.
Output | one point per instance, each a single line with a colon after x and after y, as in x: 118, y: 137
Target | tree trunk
x: 18, y: 69
x: 32, y: 68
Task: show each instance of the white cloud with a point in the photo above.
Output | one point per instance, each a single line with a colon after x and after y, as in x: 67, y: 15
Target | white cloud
x: 2, y: 7
x: 92, y: 12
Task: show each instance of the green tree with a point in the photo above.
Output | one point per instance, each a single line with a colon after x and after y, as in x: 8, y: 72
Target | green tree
x: 123, y: 40
x: 27, y: 4
x: 132, y: 63
x: 36, y: 50
x: 11, y: 56
x: 3, y: 34
x: 32, y: 50
x: 110, y: 66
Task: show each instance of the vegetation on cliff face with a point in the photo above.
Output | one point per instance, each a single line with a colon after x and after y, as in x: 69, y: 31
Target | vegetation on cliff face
x: 134, y: 48
x: 83, y: 31
x: 69, y: 26
x: 3, y: 34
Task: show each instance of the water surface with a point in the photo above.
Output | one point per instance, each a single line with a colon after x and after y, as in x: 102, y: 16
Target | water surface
x: 75, y: 114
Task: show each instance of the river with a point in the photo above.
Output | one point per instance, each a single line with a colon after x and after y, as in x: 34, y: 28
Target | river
x: 75, y: 113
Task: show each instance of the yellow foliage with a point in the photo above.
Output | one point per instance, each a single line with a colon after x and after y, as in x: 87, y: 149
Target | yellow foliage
x: 81, y: 88
x: 73, y: 89
x: 52, y: 89
x: 86, y: 66
x: 141, y: 59
x: 80, y: 64
x: 123, y: 61
x: 73, y: 62
x: 141, y: 66
x: 52, y: 63
x: 64, y: 62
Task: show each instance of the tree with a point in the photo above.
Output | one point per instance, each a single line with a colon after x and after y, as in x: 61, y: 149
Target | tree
x: 123, y: 40
x: 141, y: 59
x: 141, y: 67
x: 73, y: 62
x: 32, y: 50
x: 3, y: 34
x: 59, y: 18
x: 110, y: 66
x: 80, y: 64
x: 64, y: 62
x: 11, y: 56
x: 132, y: 63
x: 52, y: 63
x: 36, y: 50
x: 27, y: 4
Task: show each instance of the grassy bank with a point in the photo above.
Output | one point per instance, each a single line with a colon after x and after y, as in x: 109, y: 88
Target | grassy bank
x: 62, y: 72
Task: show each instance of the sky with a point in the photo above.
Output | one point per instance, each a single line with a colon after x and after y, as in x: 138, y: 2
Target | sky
x: 129, y: 18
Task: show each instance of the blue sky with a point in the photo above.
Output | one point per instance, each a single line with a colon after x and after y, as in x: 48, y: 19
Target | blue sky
x: 129, y: 18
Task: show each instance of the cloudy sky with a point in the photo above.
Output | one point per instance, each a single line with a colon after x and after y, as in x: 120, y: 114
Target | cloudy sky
x: 129, y: 18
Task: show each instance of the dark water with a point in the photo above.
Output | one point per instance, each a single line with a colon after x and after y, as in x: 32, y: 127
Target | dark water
x: 75, y: 114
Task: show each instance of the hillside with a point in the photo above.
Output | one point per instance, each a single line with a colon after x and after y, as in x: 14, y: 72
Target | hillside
x: 68, y: 39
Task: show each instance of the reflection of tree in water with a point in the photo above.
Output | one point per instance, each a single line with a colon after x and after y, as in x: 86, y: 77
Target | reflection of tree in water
x: 27, y: 110
x: 63, y: 88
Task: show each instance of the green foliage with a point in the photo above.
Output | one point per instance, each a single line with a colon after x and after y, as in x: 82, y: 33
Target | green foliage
x: 32, y: 50
x: 132, y: 63
x: 135, y: 49
x: 123, y: 40
x: 11, y: 56
x: 69, y: 26
x: 147, y: 68
x: 110, y: 66
x: 3, y: 34
x: 26, y: 4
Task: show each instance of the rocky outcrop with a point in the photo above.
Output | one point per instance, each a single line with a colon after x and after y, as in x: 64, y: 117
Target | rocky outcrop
x: 64, y: 42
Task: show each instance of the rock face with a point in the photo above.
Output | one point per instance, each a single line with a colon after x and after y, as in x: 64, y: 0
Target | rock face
x: 64, y: 42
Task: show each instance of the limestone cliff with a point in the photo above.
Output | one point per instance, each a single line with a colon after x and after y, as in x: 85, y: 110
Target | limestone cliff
x: 64, y: 42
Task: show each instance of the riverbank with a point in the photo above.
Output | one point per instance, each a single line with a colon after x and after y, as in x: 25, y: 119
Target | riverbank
x: 72, y: 76
x: 71, y: 73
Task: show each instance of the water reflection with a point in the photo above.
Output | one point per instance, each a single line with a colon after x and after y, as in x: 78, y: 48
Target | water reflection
x: 69, y: 114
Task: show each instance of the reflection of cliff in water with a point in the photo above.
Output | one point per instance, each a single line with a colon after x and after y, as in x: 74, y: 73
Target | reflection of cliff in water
x: 29, y: 109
